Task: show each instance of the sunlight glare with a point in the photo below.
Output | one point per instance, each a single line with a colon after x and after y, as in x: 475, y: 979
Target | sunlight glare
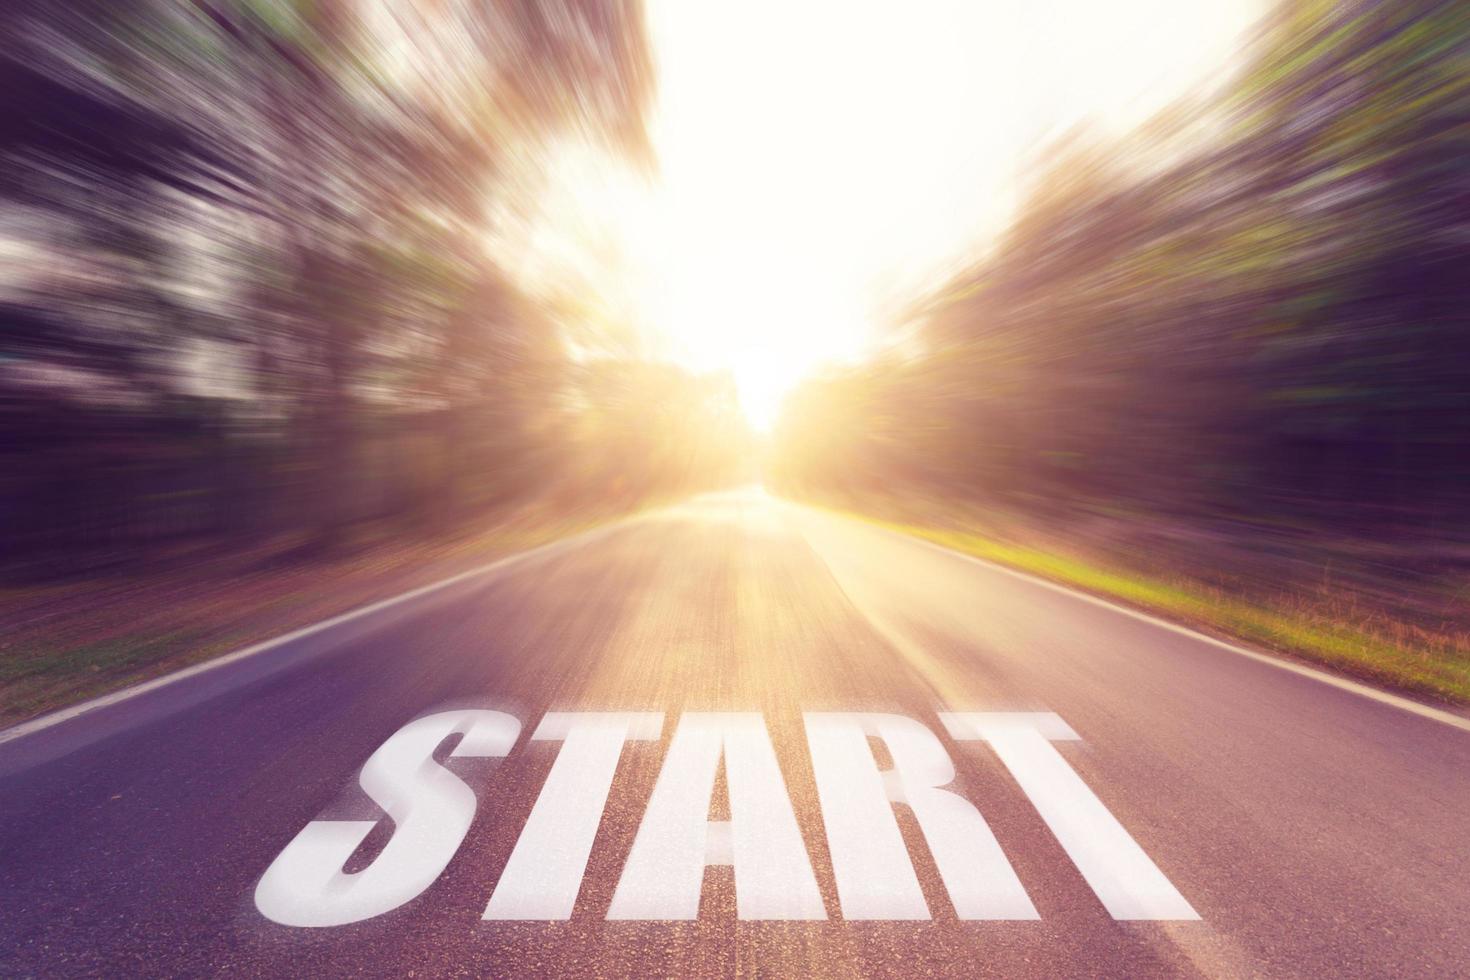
x: 818, y: 162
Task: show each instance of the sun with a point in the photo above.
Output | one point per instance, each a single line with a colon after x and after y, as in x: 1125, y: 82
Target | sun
x: 820, y: 163
x: 819, y: 160
x: 762, y: 383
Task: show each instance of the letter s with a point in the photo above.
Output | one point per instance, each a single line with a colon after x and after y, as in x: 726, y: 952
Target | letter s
x: 431, y: 809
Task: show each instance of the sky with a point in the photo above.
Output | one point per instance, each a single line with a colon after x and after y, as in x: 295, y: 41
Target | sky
x: 819, y: 163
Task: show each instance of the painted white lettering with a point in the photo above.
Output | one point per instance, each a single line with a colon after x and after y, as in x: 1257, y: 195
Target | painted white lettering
x: 875, y: 879
x: 544, y: 873
x: 677, y: 841
x: 1126, y: 881
x: 431, y: 809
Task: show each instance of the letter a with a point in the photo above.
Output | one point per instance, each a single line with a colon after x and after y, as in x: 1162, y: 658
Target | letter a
x: 677, y: 840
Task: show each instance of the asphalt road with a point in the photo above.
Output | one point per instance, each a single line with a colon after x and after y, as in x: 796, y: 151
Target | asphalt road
x: 1315, y: 831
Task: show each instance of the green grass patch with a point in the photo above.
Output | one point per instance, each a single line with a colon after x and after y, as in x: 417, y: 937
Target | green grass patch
x: 1412, y: 661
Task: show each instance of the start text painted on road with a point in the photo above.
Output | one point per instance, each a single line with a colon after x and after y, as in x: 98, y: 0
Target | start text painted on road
x: 432, y: 809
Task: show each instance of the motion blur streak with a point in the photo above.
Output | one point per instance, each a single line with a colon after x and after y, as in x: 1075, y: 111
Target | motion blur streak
x: 318, y: 306
x: 248, y: 288
x: 1223, y: 358
x: 289, y: 276
x: 1314, y: 831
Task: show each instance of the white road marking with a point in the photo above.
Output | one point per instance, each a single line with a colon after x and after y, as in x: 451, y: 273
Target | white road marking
x: 1123, y: 877
x: 1440, y: 715
x: 431, y: 809
x: 62, y: 715
x: 676, y: 840
x: 544, y: 874
x: 870, y: 862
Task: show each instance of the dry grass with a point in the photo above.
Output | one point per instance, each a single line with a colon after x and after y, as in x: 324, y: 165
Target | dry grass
x: 68, y: 641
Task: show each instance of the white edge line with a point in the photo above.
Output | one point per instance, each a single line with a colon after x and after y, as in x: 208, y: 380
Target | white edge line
x: 1333, y: 680
x: 54, y: 718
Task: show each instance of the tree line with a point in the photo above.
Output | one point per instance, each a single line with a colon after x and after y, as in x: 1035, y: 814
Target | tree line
x: 1252, y: 310
x: 250, y: 286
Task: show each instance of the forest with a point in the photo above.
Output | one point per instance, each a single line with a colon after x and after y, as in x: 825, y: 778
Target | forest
x: 262, y: 288
x: 1231, y: 348
x: 253, y: 288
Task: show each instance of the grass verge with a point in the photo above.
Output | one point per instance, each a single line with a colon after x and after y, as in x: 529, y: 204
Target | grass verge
x: 70, y: 641
x: 1394, y: 654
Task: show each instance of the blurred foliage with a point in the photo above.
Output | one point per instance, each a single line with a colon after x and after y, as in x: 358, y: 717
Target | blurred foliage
x: 1252, y: 309
x: 249, y: 285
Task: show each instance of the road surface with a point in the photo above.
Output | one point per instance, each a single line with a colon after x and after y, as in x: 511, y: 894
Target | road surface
x: 1314, y: 830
